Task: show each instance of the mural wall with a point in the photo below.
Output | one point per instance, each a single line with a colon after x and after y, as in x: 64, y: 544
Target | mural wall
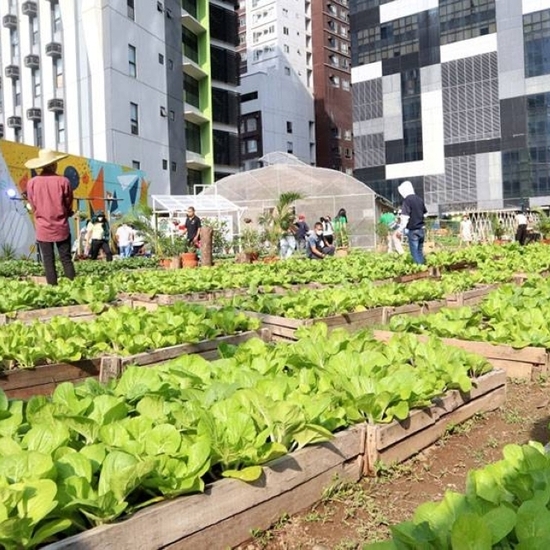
x: 96, y: 185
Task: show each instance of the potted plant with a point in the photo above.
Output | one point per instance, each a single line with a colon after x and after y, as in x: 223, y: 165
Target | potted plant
x: 189, y: 256
x: 169, y: 251
x: 250, y: 242
x: 543, y: 225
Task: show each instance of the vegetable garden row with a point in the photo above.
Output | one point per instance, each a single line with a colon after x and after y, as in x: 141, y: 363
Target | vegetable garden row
x: 339, y: 402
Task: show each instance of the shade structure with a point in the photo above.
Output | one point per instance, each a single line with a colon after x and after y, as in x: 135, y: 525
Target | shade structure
x: 206, y: 206
x: 325, y: 192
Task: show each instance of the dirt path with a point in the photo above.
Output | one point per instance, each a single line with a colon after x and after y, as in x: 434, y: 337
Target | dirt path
x: 358, y: 513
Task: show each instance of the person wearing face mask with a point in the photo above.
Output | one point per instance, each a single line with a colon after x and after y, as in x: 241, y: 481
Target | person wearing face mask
x: 317, y: 247
x: 97, y: 237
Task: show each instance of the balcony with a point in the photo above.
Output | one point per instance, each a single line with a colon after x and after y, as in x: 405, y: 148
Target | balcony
x: 194, y: 115
x: 12, y: 71
x: 30, y: 9
x: 56, y: 105
x: 196, y: 161
x: 14, y: 122
x: 54, y: 49
x: 10, y: 21
x: 192, y: 69
x: 34, y: 114
x: 32, y: 61
x: 189, y: 19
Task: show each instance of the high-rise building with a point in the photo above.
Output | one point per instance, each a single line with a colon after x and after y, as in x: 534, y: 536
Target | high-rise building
x: 454, y: 96
x: 277, y: 110
x: 105, y: 80
x: 331, y: 84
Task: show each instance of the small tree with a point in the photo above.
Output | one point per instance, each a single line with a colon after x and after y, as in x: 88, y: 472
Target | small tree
x: 278, y: 220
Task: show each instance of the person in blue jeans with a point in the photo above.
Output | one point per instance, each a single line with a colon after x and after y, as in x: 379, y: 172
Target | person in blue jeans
x: 412, y: 220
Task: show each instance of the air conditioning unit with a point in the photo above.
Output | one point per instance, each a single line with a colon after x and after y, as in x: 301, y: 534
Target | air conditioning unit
x: 34, y: 114
x: 10, y: 21
x: 30, y: 9
x: 32, y: 61
x: 12, y: 71
x: 14, y: 122
x: 56, y: 105
x: 54, y: 49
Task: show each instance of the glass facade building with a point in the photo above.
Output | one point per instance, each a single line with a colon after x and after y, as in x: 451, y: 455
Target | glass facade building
x: 453, y: 95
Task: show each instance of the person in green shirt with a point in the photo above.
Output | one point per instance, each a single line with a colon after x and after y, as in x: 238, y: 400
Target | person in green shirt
x: 389, y: 219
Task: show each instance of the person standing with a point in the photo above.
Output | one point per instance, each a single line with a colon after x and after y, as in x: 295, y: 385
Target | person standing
x: 412, y: 219
x: 124, y: 237
x: 328, y: 229
x: 521, y: 231
x: 192, y: 227
x: 466, y: 231
x: 51, y: 199
x: 302, y: 229
x: 317, y: 247
x: 98, y: 236
x: 341, y: 228
x: 389, y: 219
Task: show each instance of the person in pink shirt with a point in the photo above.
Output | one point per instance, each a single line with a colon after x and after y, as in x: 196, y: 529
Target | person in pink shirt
x: 51, y: 199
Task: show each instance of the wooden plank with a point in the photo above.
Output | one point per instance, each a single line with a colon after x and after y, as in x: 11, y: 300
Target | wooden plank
x: 388, y: 434
x: 486, y: 349
x: 20, y: 383
x: 237, y: 529
x: 165, y: 354
x: 167, y: 522
x: 408, y: 309
x: 411, y: 446
x: 413, y: 277
x: 433, y: 306
x: 110, y: 368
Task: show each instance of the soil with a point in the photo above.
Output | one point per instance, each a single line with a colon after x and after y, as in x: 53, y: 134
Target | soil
x: 358, y: 513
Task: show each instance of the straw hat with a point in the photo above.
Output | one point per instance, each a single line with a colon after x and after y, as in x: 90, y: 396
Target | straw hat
x: 45, y: 158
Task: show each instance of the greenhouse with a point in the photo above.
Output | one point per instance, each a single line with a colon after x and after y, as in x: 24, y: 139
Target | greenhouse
x: 325, y: 192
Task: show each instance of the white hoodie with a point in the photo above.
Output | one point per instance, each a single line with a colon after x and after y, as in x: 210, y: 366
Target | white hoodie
x: 405, y: 189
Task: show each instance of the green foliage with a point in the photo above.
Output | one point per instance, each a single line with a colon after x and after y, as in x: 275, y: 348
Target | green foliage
x: 505, y: 506
x: 277, y: 221
x: 92, y: 453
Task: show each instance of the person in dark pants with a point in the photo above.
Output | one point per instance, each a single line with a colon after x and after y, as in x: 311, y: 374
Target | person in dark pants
x: 51, y: 199
x: 412, y: 219
x: 521, y: 231
x: 302, y: 229
x: 192, y: 227
x: 98, y: 236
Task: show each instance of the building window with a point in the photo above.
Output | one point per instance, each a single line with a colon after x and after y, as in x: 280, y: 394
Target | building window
x: 132, y: 65
x: 58, y: 72
x: 287, y: 71
x: 161, y: 59
x: 251, y: 124
x: 289, y: 126
x: 170, y: 64
x: 536, y: 34
x: 249, y: 97
x: 37, y: 130
x: 17, y: 93
x: 130, y: 9
x: 134, y: 119
x: 136, y: 165
x: 164, y: 164
x: 251, y: 146
x: 172, y: 115
x: 60, y: 127
x: 464, y: 20
x: 163, y: 112
x: 193, y: 137
x: 345, y: 85
x: 289, y: 147
x: 334, y: 80
x: 412, y: 115
x: 286, y: 48
x: 191, y: 87
x: 56, y: 17
x: 285, y: 30
x: 33, y: 26
x: 190, y: 45
x: 174, y: 166
x: 14, y: 43
x: 36, y: 83
x: 17, y: 135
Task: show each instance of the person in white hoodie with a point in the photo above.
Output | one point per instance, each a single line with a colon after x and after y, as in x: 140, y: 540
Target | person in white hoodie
x: 412, y: 220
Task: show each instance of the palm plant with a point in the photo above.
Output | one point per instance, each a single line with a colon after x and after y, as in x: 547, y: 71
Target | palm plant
x: 277, y: 221
x: 140, y: 218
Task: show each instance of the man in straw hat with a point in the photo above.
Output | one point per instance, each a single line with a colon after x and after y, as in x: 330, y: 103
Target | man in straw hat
x: 51, y: 198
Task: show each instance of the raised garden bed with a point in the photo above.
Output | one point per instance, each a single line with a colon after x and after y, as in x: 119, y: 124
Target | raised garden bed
x: 470, y: 297
x: 78, y: 313
x: 527, y: 363
x: 229, y: 510
x: 42, y: 380
x: 397, y: 441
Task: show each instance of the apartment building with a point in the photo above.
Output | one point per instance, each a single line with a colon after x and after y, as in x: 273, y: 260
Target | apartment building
x: 454, y: 96
x: 331, y: 54
x: 277, y: 109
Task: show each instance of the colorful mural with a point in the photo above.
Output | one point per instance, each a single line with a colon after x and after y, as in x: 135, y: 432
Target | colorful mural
x: 113, y: 188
